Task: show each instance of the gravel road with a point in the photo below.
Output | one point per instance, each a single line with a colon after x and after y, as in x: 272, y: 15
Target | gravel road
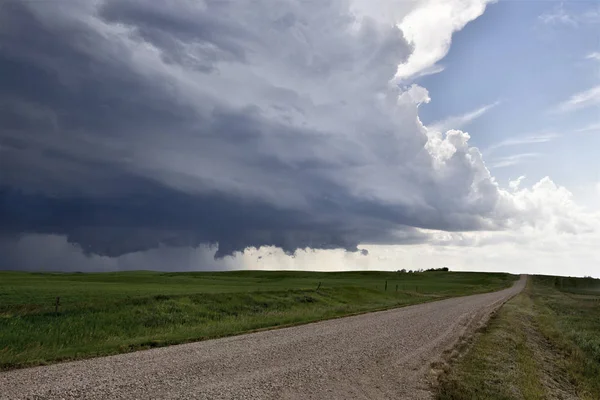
x: 381, y: 355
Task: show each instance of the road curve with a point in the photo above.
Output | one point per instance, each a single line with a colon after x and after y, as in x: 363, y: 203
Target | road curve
x: 381, y: 355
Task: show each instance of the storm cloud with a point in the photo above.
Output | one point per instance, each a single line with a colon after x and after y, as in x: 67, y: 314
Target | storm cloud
x: 134, y: 125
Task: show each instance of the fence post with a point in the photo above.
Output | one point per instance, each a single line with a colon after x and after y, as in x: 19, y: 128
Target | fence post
x: 56, y: 304
x: 386, y: 286
x: 396, y: 287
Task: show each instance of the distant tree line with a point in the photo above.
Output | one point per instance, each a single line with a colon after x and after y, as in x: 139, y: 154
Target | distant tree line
x: 410, y: 271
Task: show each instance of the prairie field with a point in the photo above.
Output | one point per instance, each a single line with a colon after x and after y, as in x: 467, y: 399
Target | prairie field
x: 109, y: 313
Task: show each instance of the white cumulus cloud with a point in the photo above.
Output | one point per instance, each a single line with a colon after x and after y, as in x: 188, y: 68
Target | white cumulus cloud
x: 429, y: 28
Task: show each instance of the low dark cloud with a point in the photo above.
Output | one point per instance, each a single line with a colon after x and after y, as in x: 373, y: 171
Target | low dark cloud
x: 131, y: 125
x: 53, y: 253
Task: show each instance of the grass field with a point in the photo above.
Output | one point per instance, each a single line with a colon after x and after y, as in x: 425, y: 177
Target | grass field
x: 111, y: 313
x: 543, y: 344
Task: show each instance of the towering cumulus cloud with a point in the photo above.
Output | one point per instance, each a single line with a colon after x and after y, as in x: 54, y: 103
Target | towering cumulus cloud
x: 129, y: 125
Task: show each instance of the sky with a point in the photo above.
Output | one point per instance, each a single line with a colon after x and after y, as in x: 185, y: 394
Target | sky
x: 314, y: 135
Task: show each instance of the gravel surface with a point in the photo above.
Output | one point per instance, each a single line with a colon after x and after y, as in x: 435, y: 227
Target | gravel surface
x: 381, y: 355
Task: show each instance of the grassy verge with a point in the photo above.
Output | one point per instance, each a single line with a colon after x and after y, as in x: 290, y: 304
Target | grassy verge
x: 101, y: 314
x: 543, y: 344
x: 569, y: 317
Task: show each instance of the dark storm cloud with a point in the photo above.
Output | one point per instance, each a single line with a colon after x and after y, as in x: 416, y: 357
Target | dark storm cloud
x: 129, y: 125
x: 115, y: 226
x: 46, y: 252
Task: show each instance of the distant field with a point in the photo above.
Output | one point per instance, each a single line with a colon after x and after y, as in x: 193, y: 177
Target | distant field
x: 111, y: 313
x: 543, y: 344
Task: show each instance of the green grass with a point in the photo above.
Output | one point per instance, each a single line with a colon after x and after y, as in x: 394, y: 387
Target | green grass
x: 544, y: 343
x: 570, y: 319
x: 111, y: 313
